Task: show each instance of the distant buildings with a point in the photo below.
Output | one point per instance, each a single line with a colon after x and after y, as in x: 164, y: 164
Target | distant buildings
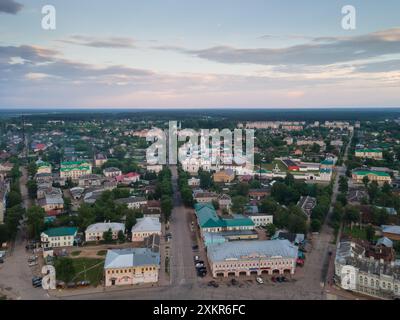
x: 224, y: 176
x: 95, y: 231
x: 131, y: 266
x: 58, y: 237
x: 133, y: 202
x: 205, y: 196
x: 43, y: 167
x: 99, y: 159
x: 252, y: 257
x: 375, y: 154
x: 75, y: 169
x: 90, y: 180
x: 144, y: 228
x: 128, y: 178
x: 112, y: 172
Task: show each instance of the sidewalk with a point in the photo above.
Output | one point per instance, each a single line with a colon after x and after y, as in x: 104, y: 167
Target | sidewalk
x: 61, y: 293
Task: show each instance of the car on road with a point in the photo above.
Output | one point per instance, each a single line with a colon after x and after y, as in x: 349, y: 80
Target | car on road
x: 37, y: 282
x: 201, y: 273
x: 259, y: 280
x: 1, y: 260
x: 213, y: 284
x: 199, y: 265
x: 32, y: 263
x: 196, y: 258
x: 195, y: 247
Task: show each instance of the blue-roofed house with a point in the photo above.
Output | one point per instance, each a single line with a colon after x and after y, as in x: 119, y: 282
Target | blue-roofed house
x: 385, y: 242
x: 391, y: 232
x: 131, y: 266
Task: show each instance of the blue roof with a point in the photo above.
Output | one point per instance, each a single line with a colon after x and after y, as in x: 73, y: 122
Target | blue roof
x: 385, y: 241
x: 391, y: 229
x: 131, y: 257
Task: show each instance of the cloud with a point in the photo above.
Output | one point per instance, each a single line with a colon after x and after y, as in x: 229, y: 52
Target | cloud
x: 319, y: 51
x: 96, y: 42
x: 10, y: 6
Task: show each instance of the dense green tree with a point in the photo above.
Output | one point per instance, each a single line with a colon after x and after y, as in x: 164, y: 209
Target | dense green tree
x: 206, y: 180
x: 370, y: 233
x: 130, y: 219
x: 315, y: 225
x: 35, y: 221
x: 108, y: 236
x: 269, y: 205
x: 13, y: 199
x: 121, y: 236
x: 238, y: 204
x: 351, y: 215
x: 166, y: 205
x: 4, y: 235
x: 86, y: 216
x: 32, y: 188
x: 297, y: 224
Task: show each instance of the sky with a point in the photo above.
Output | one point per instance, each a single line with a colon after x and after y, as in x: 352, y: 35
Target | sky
x: 199, y: 54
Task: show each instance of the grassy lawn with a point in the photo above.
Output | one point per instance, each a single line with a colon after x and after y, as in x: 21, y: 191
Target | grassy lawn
x: 76, y: 253
x: 356, y: 232
x: 94, y: 275
x: 102, y: 252
x: 271, y: 166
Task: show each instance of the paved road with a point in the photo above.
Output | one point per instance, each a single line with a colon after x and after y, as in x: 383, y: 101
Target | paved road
x: 182, y: 269
x: 15, y: 274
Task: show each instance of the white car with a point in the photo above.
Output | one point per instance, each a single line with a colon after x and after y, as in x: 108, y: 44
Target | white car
x: 32, y: 264
x: 259, y: 280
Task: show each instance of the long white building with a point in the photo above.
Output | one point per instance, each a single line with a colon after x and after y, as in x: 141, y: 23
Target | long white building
x: 252, y: 257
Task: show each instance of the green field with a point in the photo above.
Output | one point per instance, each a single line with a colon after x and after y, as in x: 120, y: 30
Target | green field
x: 87, y: 269
x: 356, y: 232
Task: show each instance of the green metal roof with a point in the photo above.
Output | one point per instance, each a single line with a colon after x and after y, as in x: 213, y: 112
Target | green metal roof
x: 376, y: 173
x: 327, y: 162
x: 60, y: 232
x: 369, y: 150
x: 75, y: 165
x: 208, y: 218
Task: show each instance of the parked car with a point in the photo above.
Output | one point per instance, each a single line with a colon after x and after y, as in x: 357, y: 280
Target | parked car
x: 273, y: 279
x: 83, y: 283
x: 32, y: 263
x: 71, y: 285
x: 1, y: 260
x: 196, y: 258
x: 213, y: 284
x: 259, y: 280
x: 196, y: 247
x: 199, y: 265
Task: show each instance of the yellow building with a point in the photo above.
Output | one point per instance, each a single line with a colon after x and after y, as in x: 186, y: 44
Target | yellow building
x: 378, y: 176
x: 131, y: 266
x: 75, y: 169
x: 369, y: 154
x: 224, y: 176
